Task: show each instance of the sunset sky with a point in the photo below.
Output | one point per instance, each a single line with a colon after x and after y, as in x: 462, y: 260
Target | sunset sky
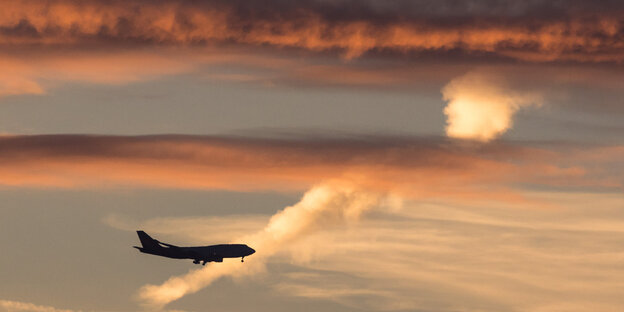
x: 379, y: 155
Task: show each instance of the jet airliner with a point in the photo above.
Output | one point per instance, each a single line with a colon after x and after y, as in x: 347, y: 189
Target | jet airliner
x: 203, y: 254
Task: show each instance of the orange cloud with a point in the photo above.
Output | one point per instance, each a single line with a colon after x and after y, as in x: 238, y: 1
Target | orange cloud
x: 353, y: 28
x: 32, y: 74
x: 414, y: 168
x: 35, y: 72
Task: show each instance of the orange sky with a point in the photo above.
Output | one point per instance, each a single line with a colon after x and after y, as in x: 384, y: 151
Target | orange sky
x: 380, y: 155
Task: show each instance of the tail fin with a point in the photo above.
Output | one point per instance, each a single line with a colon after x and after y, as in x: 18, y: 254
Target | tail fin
x: 147, y: 241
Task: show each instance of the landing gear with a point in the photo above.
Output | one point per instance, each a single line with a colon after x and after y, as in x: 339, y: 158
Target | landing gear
x: 242, y: 259
x: 204, y: 262
x: 196, y: 261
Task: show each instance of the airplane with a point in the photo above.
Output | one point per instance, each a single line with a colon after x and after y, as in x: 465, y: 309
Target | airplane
x: 203, y: 254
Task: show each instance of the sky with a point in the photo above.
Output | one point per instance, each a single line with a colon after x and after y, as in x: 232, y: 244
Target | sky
x: 379, y: 155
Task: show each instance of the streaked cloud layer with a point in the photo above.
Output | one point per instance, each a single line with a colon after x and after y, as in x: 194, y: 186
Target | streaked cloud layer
x: 463, y: 258
x: 25, y: 75
x: 383, y: 44
x: 420, y: 167
x: 532, y: 31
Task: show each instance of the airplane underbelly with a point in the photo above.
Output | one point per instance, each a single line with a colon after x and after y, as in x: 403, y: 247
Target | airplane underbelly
x: 176, y: 254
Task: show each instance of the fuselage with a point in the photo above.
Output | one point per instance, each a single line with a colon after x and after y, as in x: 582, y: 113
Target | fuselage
x: 213, y: 253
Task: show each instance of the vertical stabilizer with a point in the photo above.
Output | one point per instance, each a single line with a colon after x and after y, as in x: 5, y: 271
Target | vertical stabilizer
x: 147, y: 241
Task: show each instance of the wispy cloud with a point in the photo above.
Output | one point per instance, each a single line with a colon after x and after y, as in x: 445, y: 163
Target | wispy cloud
x: 15, y: 306
x: 35, y: 73
x: 323, y: 206
x: 432, y: 255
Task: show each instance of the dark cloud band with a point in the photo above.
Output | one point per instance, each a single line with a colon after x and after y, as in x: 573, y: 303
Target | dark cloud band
x: 411, y: 165
x: 581, y: 31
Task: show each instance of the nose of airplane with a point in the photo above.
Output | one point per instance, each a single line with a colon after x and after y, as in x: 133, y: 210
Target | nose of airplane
x: 251, y: 250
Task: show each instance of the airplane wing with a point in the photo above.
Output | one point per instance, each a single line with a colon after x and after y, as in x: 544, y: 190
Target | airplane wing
x: 168, y: 245
x: 199, y: 253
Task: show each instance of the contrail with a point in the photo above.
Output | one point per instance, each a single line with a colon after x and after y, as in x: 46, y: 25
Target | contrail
x: 325, y: 205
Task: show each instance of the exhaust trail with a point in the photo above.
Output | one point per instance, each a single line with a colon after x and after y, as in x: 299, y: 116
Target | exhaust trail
x: 324, y: 206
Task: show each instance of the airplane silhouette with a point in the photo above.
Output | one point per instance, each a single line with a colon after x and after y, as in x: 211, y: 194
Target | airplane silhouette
x: 214, y: 253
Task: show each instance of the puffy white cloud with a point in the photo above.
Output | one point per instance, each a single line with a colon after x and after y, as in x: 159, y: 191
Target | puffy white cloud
x: 481, y: 105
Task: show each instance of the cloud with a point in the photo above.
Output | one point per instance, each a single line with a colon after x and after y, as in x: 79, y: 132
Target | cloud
x: 38, y: 71
x: 446, y: 219
x: 438, y: 265
x: 418, y: 168
x: 34, y: 73
x: 324, y: 206
x: 480, y: 106
x: 15, y: 306
x: 530, y: 32
x: 15, y: 78
x: 429, y: 255
x: 398, y: 45
x: 444, y: 257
